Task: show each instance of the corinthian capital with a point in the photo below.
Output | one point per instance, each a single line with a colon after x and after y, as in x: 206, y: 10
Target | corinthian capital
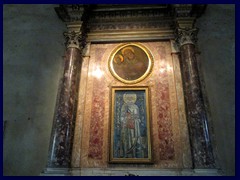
x: 186, y: 36
x: 73, y: 39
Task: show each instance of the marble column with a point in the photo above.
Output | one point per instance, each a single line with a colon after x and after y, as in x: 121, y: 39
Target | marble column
x: 202, y: 154
x: 65, y: 114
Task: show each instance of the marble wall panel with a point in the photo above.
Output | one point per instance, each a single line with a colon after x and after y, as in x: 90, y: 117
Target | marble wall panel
x: 93, y: 127
x: 184, y: 136
x: 162, y: 101
x: 76, y: 153
x: 95, y: 150
x: 164, y: 109
x: 164, y: 105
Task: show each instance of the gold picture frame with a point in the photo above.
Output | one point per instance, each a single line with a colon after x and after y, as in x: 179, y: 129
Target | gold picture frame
x: 130, y: 125
x: 130, y: 63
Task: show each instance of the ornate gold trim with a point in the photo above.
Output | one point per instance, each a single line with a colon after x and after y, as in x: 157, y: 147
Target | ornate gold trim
x: 149, y: 68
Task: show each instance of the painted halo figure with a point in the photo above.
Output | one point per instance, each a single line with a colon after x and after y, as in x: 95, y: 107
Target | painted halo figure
x: 130, y: 131
x: 130, y: 63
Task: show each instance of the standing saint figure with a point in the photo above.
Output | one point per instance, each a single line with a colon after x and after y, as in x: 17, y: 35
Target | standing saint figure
x: 130, y: 128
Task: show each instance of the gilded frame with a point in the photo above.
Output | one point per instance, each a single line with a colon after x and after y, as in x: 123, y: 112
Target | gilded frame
x: 130, y: 71
x: 130, y: 140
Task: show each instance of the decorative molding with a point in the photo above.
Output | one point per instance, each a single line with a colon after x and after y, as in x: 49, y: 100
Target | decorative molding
x: 182, y: 10
x: 75, y: 26
x: 132, y: 171
x: 185, y: 22
x: 186, y: 14
x: 136, y: 25
x: 123, y: 12
x: 130, y: 14
x: 188, y: 10
x: 101, y: 21
x: 186, y: 36
x: 131, y: 35
x: 70, y: 12
x: 74, y: 12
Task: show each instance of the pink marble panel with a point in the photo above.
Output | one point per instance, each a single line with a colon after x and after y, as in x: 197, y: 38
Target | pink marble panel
x: 164, y: 122
x: 95, y: 150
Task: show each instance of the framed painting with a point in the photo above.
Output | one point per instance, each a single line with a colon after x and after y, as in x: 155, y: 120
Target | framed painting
x: 131, y: 63
x: 130, y: 125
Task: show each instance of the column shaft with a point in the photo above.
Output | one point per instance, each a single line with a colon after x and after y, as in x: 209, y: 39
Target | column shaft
x: 195, y: 109
x: 65, y: 112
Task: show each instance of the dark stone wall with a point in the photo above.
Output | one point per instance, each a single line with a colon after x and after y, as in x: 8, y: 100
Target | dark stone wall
x: 216, y: 41
x: 33, y: 47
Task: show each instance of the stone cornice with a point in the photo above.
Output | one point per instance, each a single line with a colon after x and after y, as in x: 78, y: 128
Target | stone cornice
x: 74, y: 12
x: 118, y: 20
x: 185, y: 15
x: 70, y: 12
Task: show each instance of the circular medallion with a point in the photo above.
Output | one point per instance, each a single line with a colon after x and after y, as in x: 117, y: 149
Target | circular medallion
x: 130, y: 63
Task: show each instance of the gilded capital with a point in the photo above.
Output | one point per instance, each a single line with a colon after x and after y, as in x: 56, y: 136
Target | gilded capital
x: 73, y: 39
x: 186, y: 36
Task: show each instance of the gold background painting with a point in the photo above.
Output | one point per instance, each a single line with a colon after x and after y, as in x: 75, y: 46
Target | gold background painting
x: 131, y: 63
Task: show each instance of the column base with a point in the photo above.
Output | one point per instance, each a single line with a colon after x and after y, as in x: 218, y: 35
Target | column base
x: 56, y: 172
x: 201, y: 172
x: 129, y: 172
